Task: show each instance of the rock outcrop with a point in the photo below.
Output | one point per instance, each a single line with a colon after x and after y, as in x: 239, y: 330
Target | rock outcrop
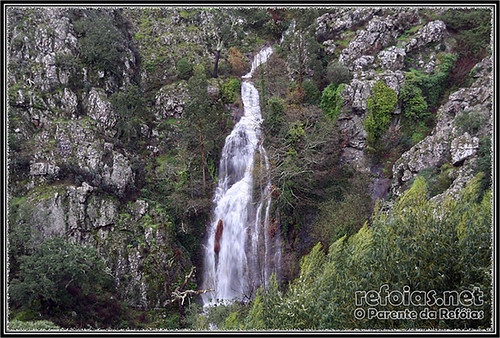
x: 383, y: 46
x: 448, y: 142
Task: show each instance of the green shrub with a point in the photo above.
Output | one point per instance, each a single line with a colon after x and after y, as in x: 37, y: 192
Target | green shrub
x: 311, y: 92
x: 130, y: 107
x: 337, y: 73
x: 331, y: 100
x: 432, y: 86
x: 184, y: 69
x: 39, y: 325
x: 274, y: 117
x: 101, y: 44
x: 472, y: 28
x: 381, y: 104
x: 230, y: 90
x: 413, y: 103
x: 57, y: 274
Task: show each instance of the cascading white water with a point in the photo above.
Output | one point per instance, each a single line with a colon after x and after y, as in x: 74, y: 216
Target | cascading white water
x: 241, y: 250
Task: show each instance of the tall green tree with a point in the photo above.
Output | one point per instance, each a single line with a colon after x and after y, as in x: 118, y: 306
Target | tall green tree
x: 205, y: 121
x: 300, y: 43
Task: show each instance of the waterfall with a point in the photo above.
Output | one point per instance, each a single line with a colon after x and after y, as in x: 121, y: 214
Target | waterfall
x: 242, y: 248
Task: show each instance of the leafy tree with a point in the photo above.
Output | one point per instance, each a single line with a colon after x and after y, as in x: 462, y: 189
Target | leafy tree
x: 101, y: 43
x: 130, y: 107
x: 418, y: 244
x: 184, y: 69
x: 57, y: 275
x: 381, y: 104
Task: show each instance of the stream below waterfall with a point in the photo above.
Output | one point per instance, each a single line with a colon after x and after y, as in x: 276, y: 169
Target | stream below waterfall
x: 242, y: 248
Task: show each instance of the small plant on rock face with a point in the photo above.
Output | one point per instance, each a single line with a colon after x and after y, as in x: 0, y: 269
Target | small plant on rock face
x: 331, y: 100
x: 381, y: 103
x: 184, y: 69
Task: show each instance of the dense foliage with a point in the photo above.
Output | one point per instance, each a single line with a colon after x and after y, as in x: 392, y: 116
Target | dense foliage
x: 131, y: 110
x: 398, y: 249
x: 331, y: 100
x: 184, y: 69
x: 101, y: 43
x: 65, y: 281
x: 381, y: 104
x: 472, y: 28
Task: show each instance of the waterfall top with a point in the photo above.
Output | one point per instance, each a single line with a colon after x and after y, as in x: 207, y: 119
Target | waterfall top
x: 259, y: 59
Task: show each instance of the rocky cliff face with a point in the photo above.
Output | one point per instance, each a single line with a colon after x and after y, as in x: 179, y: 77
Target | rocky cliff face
x: 385, y: 45
x: 66, y: 161
x: 451, y: 142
